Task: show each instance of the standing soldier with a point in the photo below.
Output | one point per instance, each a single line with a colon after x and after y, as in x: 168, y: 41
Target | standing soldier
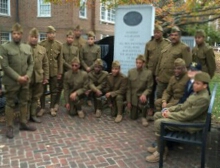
x: 140, y: 82
x: 75, y: 85
x: 40, y: 73
x: 175, y: 89
x: 78, y: 40
x: 97, y: 83
x: 203, y: 53
x: 152, y: 52
x: 165, y: 65
x: 17, y: 65
x: 55, y: 58
x: 115, y: 91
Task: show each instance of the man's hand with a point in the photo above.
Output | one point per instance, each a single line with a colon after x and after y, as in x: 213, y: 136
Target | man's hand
x: 129, y: 106
x: 73, y: 96
x: 22, y: 80
x: 108, y: 94
x: 164, y: 104
x: 67, y: 106
x: 87, y: 92
x: 59, y: 76
x: 166, y: 113
x: 98, y: 93
x: 143, y: 99
x: 45, y: 81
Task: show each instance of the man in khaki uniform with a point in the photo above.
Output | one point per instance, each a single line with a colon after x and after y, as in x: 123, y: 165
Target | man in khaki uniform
x: 89, y: 53
x: 176, y: 86
x: 40, y: 73
x: 17, y: 65
x: 116, y: 88
x: 75, y: 86
x: 97, y: 84
x: 55, y: 58
x: 152, y: 52
x: 78, y: 40
x: 203, y: 53
x: 165, y: 65
x: 194, y: 109
x: 140, y: 82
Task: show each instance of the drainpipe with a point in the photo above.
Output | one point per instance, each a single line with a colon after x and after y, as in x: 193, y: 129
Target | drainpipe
x: 17, y: 19
x: 93, y: 16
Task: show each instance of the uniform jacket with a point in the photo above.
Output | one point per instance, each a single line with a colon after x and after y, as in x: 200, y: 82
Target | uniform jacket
x: 97, y: 81
x: 175, y: 89
x: 117, y: 85
x: 75, y: 82
x: 79, y: 42
x: 205, y: 56
x: 89, y: 54
x: 17, y: 61
x: 69, y: 52
x: 169, y: 54
x: 41, y: 66
x: 152, y: 53
x: 194, y: 109
x: 55, y: 56
x: 139, y: 82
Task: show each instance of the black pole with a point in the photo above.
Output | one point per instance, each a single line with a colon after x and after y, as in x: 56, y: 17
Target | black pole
x: 17, y: 12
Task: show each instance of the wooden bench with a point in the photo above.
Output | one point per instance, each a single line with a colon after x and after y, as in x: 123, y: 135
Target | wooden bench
x: 198, y: 138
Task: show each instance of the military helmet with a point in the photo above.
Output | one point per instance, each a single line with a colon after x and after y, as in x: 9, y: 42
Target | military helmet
x: 175, y: 29
x: 69, y: 33
x: 141, y: 57
x: 200, y: 32
x: 98, y: 62
x: 75, y: 60
x: 51, y: 29
x: 203, y: 77
x: 194, y: 66
x: 116, y: 64
x: 78, y: 27
x: 179, y: 62
x: 17, y: 27
x: 34, y: 32
x: 158, y: 28
x: 90, y: 34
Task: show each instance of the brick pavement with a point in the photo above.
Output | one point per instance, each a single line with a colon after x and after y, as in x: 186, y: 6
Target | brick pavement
x: 70, y: 142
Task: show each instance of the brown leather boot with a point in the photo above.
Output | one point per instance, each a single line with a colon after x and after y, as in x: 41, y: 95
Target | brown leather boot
x: 27, y: 127
x: 9, y: 132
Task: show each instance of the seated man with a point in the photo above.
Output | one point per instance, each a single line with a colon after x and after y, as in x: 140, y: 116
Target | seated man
x: 175, y: 88
x: 194, y: 109
x: 97, y: 82
x: 140, y: 82
x: 194, y: 68
x: 75, y: 85
x: 115, y: 91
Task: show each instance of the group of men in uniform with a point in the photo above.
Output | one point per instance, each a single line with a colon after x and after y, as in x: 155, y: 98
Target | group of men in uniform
x: 157, y: 83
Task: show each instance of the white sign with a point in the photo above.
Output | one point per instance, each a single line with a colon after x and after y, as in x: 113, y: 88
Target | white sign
x: 133, y: 28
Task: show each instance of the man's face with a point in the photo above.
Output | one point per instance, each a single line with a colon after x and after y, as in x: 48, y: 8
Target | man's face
x: 191, y: 73
x: 199, y: 40
x: 91, y: 40
x: 174, y: 37
x: 97, y: 69
x: 16, y: 36
x: 139, y: 64
x: 69, y: 39
x: 51, y: 36
x: 199, y: 86
x: 77, y: 33
x: 179, y: 70
x: 75, y: 66
x: 157, y: 34
x: 33, y: 40
x: 115, y: 71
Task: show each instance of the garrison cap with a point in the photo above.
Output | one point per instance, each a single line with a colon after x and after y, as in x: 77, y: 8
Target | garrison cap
x: 200, y: 32
x: 99, y: 62
x: 75, y: 60
x: 158, y: 28
x: 116, y: 64
x: 51, y: 29
x: 69, y: 33
x: 91, y: 34
x: 34, y: 32
x: 17, y: 27
x: 175, y: 29
x: 78, y: 27
x: 179, y: 62
x: 194, y: 66
x: 141, y: 57
x: 203, y: 77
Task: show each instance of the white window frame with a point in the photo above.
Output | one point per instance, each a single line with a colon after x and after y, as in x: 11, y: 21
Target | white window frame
x: 83, y: 8
x: 8, y: 8
x: 39, y: 12
x: 103, y: 36
x: 2, y: 36
x: 42, y: 36
x: 107, y: 11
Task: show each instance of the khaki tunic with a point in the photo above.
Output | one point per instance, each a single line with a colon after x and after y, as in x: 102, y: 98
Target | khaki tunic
x: 55, y: 56
x: 205, y: 56
x: 169, y: 54
x: 69, y: 52
x: 97, y: 81
x: 139, y: 83
x: 88, y: 55
x: 79, y: 42
x: 152, y: 53
x: 75, y: 82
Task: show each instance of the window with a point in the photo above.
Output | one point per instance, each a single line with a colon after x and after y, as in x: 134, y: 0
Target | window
x: 5, y: 37
x: 44, y: 9
x: 82, y: 9
x: 5, y: 7
x: 42, y: 36
x: 103, y: 36
x: 107, y: 14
